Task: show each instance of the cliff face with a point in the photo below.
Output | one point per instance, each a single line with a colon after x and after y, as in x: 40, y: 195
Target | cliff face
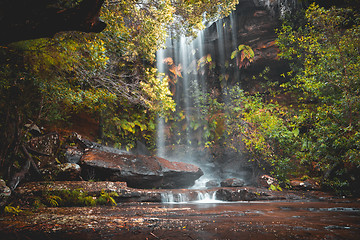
x: 253, y: 24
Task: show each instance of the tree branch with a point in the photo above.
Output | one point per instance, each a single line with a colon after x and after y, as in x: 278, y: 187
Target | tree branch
x: 18, y: 177
x: 24, y: 19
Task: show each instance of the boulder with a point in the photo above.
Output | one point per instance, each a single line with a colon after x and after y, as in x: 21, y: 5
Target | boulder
x: 139, y: 171
x: 236, y: 195
x: 212, y: 184
x: 304, y: 185
x: 61, y: 172
x: 266, y: 181
x: 68, y: 172
x: 252, y: 194
x: 73, y: 155
x: 232, y: 182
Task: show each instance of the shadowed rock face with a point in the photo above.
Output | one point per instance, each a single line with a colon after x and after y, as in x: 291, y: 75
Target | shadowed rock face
x: 138, y: 171
x: 253, y: 24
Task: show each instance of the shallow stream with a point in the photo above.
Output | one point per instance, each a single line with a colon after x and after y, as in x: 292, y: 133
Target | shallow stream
x: 338, y: 219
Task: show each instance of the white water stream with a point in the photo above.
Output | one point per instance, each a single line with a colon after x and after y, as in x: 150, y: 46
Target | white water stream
x: 189, y: 197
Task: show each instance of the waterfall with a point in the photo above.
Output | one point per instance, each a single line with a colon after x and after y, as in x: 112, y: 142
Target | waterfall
x: 187, y: 63
x: 201, y: 71
x: 184, y: 55
x: 189, y: 197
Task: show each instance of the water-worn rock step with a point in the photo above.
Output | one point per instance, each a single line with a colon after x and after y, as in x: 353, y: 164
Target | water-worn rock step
x: 125, y: 194
x: 138, y: 171
x: 32, y: 190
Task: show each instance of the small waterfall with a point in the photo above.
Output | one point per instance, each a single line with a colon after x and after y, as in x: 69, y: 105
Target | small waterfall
x: 189, y: 197
x: 205, y: 197
x: 170, y: 197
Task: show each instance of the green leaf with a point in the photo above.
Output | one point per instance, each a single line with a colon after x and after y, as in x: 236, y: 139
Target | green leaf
x: 233, y: 54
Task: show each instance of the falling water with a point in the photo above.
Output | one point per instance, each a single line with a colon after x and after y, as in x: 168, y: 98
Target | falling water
x: 189, y: 197
x: 220, y: 25
x: 234, y: 40
x: 207, y: 197
x: 185, y: 55
x: 170, y: 197
x: 160, y: 139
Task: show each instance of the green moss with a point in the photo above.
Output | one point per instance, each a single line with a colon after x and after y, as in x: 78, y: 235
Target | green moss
x: 77, y: 197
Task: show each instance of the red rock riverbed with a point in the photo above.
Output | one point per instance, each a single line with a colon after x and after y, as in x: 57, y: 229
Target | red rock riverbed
x: 238, y: 220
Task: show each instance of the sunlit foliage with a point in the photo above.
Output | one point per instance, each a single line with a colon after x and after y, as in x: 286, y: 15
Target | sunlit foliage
x: 110, y: 75
x: 325, y: 79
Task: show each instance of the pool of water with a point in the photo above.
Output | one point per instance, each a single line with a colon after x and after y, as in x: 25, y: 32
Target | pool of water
x: 190, y: 220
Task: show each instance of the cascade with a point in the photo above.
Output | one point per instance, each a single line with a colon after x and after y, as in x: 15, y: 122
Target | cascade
x: 189, y: 197
x: 205, y: 197
x: 189, y: 87
x: 170, y: 197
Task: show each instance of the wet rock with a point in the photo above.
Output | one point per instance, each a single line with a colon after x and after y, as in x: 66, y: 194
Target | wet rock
x: 73, y: 155
x: 254, y: 194
x: 138, y: 171
x: 212, y: 184
x: 68, y: 172
x: 266, y: 181
x: 63, y: 172
x: 33, y: 188
x: 236, y: 195
x: 232, y: 182
x: 304, y: 185
x: 124, y: 194
x: 5, y: 193
x: 272, y: 220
